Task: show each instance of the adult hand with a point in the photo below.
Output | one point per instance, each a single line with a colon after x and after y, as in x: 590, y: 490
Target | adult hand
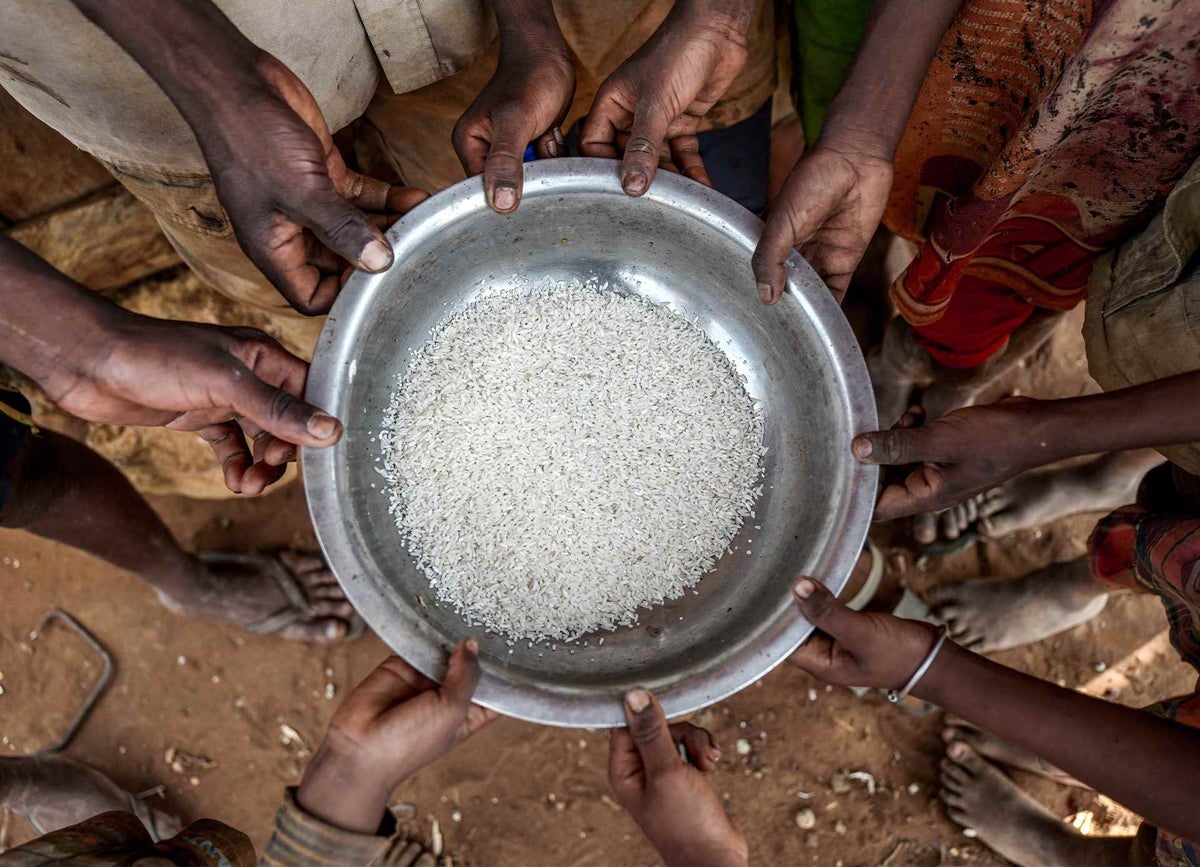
x: 652, y: 105
x: 225, y: 384
x: 961, y: 454
x: 526, y: 101
x: 300, y: 214
x: 828, y: 209
x: 858, y: 648
x: 671, y: 801
x: 390, y: 726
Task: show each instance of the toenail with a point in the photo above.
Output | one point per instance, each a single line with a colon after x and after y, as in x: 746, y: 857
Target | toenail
x: 958, y: 750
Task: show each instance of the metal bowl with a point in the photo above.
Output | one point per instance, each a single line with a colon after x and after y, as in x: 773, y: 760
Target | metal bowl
x: 681, y: 244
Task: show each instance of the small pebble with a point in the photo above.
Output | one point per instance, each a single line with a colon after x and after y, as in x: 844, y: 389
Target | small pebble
x: 182, y: 660
x: 970, y: 832
x: 812, y: 694
x: 839, y: 827
x: 806, y: 819
x: 742, y: 746
x: 455, y: 816
x: 1100, y: 666
x: 914, y: 788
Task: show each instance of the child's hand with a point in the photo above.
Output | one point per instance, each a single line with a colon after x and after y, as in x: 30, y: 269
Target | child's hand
x: 957, y: 456
x: 855, y: 648
x: 390, y: 726
x: 672, y: 802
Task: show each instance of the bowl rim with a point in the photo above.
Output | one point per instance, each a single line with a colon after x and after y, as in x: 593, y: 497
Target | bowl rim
x: 326, y: 386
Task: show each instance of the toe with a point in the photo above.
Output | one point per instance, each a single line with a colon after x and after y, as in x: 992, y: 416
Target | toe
x: 949, y: 524
x: 301, y: 563
x: 323, y: 631
x: 408, y: 855
x: 320, y: 609
x: 953, y: 772
x: 925, y: 528
x: 962, y: 754
x: 959, y: 816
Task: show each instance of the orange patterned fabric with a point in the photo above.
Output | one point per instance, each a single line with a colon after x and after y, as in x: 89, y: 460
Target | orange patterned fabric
x: 1045, y: 132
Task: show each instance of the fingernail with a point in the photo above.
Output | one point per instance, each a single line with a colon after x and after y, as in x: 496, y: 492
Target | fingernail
x: 558, y: 136
x: 764, y: 293
x: 505, y: 198
x: 551, y: 147
x: 635, y: 183
x: 957, y: 750
x: 472, y: 646
x: 804, y: 588
x: 637, y: 700
x: 322, y: 426
x: 376, y: 257
x: 862, y: 448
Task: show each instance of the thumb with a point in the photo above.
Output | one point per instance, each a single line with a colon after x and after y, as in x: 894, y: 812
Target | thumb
x: 896, y: 446
x: 344, y: 229
x: 462, y: 675
x: 646, y: 137
x: 772, y: 251
x: 281, y: 414
x: 504, y: 168
x: 823, y: 609
x: 651, y: 735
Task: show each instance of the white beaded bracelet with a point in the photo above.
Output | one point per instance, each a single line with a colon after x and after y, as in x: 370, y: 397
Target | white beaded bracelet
x: 896, y: 697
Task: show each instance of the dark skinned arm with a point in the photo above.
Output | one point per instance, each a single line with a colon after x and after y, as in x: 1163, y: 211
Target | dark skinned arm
x: 834, y: 198
x: 972, y: 449
x: 526, y: 101
x: 103, y: 363
x: 298, y: 212
x: 1147, y: 763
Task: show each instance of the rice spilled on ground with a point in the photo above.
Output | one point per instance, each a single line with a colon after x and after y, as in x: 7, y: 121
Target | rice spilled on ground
x: 562, y: 457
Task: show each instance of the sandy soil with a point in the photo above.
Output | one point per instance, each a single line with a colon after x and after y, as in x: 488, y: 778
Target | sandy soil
x: 240, y: 712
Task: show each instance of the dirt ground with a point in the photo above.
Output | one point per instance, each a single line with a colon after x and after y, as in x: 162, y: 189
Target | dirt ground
x: 214, y: 722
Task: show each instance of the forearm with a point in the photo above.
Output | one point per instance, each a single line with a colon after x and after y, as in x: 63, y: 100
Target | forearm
x: 872, y: 106
x: 48, y: 318
x: 190, y: 48
x: 1147, y: 763
x: 1159, y: 413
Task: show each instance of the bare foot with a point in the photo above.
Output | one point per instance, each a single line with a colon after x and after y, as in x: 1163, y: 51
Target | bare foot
x: 55, y: 792
x: 1033, y: 498
x: 1003, y: 752
x: 978, y: 796
x: 248, y: 590
x: 996, y: 614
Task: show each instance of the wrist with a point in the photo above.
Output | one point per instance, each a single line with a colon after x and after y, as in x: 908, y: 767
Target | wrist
x: 341, y: 788
x: 856, y: 141
x: 933, y: 686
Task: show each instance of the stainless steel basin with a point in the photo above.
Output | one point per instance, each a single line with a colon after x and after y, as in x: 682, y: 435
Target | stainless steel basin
x: 683, y: 245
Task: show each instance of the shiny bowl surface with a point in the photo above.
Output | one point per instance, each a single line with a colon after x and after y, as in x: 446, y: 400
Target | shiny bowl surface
x: 683, y: 245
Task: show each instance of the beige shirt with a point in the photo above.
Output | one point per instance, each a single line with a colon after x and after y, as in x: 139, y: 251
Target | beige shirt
x: 72, y: 76
x: 1142, y: 320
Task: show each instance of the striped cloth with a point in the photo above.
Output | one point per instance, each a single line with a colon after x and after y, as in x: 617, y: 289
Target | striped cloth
x: 1148, y: 552
x: 301, y: 839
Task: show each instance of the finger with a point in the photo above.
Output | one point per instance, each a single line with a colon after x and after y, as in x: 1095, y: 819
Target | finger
x: 923, y: 491
x: 462, y: 675
x: 401, y: 200
x: 272, y: 409
x: 229, y: 446
x: 503, y: 170
x: 648, y: 728
x: 646, y: 138
x: 773, y: 249
x: 814, y: 656
x: 549, y: 145
x: 624, y: 762
x: 392, y: 681
x: 260, y: 476
x: 699, y: 744
x: 685, y: 153
x: 279, y: 452
x: 914, y: 416
x: 825, y: 612
x: 896, y: 446
x: 286, y: 261
x: 598, y: 137
x: 345, y: 230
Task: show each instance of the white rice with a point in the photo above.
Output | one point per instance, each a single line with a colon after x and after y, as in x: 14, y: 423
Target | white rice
x: 559, y: 458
